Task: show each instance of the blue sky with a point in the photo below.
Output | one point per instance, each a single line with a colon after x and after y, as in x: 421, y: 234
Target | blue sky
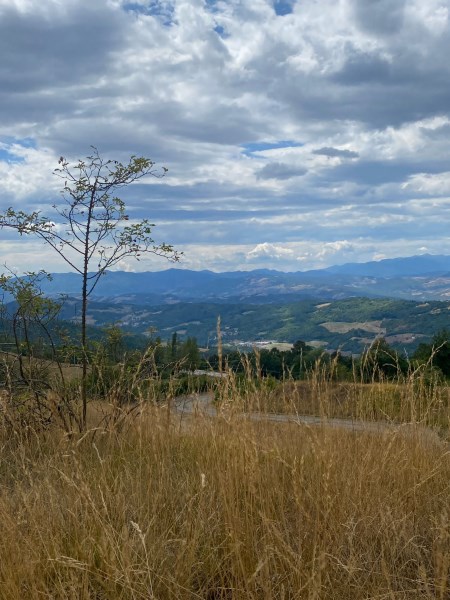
x: 297, y: 134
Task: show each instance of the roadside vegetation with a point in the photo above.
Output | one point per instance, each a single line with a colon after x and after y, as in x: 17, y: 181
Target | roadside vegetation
x: 379, y: 385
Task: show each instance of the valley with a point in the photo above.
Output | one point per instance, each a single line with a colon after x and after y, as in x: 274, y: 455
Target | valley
x: 346, y: 307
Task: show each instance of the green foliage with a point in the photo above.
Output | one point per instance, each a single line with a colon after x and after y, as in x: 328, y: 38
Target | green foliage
x: 279, y: 364
x: 189, y: 354
x: 96, y: 233
x: 436, y: 353
x: 405, y: 325
x: 30, y: 321
x: 114, y: 343
x: 382, y: 361
x: 441, y: 346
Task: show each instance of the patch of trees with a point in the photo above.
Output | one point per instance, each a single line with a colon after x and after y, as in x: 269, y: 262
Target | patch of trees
x: 41, y: 360
x: 275, y: 363
x: 436, y: 353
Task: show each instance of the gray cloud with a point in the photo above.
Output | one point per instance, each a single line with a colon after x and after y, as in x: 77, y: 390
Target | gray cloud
x: 361, y: 68
x: 56, y: 47
x: 373, y: 173
x: 157, y: 79
x: 278, y: 170
x: 335, y: 152
x: 380, y: 17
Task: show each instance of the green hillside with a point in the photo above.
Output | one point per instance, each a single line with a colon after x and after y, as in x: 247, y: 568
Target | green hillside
x: 351, y: 323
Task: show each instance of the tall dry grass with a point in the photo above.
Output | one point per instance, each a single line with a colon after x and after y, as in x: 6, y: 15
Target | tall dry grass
x: 421, y: 396
x: 224, y: 508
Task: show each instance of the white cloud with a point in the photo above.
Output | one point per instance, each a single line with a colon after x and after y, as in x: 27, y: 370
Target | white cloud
x: 333, y: 248
x: 271, y: 251
x: 430, y: 184
x: 357, y: 90
x: 26, y: 174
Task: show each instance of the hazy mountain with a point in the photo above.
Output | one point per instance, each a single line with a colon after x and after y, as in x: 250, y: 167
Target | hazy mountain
x: 347, y: 305
x: 397, y: 267
x: 419, y: 278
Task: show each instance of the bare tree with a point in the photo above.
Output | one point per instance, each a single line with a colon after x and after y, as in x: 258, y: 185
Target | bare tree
x: 92, y: 231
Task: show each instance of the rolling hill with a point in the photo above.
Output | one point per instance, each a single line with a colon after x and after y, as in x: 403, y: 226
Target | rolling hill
x: 406, y: 300
x: 350, y: 324
x: 415, y: 278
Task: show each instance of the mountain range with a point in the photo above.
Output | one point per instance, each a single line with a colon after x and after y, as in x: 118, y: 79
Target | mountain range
x: 425, y: 277
x: 405, y: 300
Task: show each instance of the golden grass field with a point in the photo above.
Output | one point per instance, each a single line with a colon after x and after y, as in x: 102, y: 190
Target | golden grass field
x: 223, y: 508
x: 392, y: 402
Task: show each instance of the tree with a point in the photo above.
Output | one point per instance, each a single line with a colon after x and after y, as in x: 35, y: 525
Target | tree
x: 174, y: 347
x: 114, y: 345
x: 441, y: 351
x: 96, y: 232
x: 382, y: 360
x: 190, y: 354
x: 272, y: 362
x: 33, y: 322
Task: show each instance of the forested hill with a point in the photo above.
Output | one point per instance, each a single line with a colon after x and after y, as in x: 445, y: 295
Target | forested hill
x: 404, y: 300
x: 414, y: 278
x: 350, y: 323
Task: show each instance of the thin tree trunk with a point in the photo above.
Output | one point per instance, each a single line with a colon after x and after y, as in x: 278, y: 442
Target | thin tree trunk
x: 84, y: 303
x: 84, y: 352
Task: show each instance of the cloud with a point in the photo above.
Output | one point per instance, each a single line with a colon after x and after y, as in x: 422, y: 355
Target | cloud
x: 361, y: 68
x: 429, y: 184
x: 380, y: 17
x: 335, y: 152
x: 278, y: 170
x: 280, y: 122
x: 332, y: 248
x: 24, y: 175
x: 269, y: 250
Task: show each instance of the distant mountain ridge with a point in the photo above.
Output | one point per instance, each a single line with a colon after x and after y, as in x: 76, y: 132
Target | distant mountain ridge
x: 406, y: 300
x: 397, y: 267
x: 425, y: 277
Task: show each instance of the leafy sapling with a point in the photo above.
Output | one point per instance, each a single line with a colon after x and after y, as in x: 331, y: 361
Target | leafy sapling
x: 91, y: 230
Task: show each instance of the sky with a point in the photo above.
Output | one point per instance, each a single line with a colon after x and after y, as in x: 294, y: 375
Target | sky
x: 297, y: 133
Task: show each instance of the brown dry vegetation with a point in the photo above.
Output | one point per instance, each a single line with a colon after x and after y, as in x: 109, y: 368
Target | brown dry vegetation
x: 395, y: 402
x: 421, y: 397
x: 224, y: 508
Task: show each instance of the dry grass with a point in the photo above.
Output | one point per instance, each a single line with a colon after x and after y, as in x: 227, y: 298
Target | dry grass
x: 224, y: 509
x: 391, y: 402
x: 420, y: 397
